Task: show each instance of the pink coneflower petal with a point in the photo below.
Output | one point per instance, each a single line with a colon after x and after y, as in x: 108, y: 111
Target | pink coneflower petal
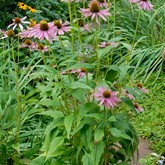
x: 95, y: 12
x: 106, y: 97
x: 61, y: 28
x: 138, y: 108
x: 18, y: 22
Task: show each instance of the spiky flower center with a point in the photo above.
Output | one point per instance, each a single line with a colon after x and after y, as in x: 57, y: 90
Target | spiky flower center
x: 28, y: 42
x: 10, y: 33
x: 144, y: 0
x: 140, y: 85
x: 58, y: 24
x: 136, y: 105
x: 107, y: 44
x: 83, y: 70
x: 94, y: 7
x: 107, y: 94
x: 44, y: 25
x: 40, y: 46
x: 17, y: 20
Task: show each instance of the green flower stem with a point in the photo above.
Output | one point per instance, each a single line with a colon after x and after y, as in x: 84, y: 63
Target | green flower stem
x: 62, y: 46
x: 18, y: 103
x: 133, y: 42
x: 72, y: 33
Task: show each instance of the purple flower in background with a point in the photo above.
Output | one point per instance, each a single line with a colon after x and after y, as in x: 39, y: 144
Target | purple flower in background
x: 105, y: 44
x: 18, y: 22
x: 42, y: 31
x: 143, y: 4
x: 140, y: 86
x: 95, y: 12
x: 103, y: 3
x: 127, y: 94
x: 138, y: 107
x: 61, y: 28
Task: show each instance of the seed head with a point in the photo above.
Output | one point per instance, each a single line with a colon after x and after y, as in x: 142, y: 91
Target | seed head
x: 83, y: 70
x: 44, y: 25
x: 17, y: 20
x: 40, y: 46
x: 28, y: 42
x: 107, y: 94
x: 94, y: 7
x: 10, y: 33
x: 58, y: 24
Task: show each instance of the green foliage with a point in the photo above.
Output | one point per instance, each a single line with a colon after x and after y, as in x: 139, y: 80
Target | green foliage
x: 150, y: 124
x: 50, y: 109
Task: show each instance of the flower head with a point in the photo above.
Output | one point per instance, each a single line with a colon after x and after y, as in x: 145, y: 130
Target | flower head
x: 43, y: 30
x: 81, y: 72
x: 94, y: 11
x: 21, y: 5
x: 27, y: 44
x: 106, y: 97
x: 140, y: 86
x: 32, y: 10
x: 143, y: 4
x: 127, y: 94
x: 17, y: 22
x: 6, y: 34
x: 138, y: 107
x: 103, y: 3
x: 105, y: 44
x: 61, y: 28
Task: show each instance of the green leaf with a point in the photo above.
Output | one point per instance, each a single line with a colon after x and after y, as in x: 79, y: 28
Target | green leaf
x: 126, y: 45
x: 95, y: 115
x: 112, y: 118
x: 56, y: 142
x: 81, y: 65
x: 54, y: 114
x: 86, y: 159
x: 81, y: 125
x: 129, y: 103
x: 119, y: 134
x: 123, y: 71
x: 79, y: 94
x: 104, y: 51
x: 76, y: 85
x: 98, y: 135
x: 68, y: 124
x: 111, y: 75
x: 96, y: 152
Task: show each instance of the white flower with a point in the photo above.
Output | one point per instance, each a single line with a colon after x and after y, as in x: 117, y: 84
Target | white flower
x: 17, y: 22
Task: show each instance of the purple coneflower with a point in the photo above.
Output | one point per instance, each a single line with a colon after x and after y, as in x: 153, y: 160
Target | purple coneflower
x: 105, y: 44
x: 140, y: 86
x: 81, y: 72
x: 127, y: 94
x: 103, y: 3
x: 27, y: 44
x: 106, y: 97
x: 61, y: 28
x: 143, y: 4
x: 94, y: 11
x: 17, y: 22
x: 43, y: 30
x: 40, y: 47
x: 138, y: 107
x: 6, y: 34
